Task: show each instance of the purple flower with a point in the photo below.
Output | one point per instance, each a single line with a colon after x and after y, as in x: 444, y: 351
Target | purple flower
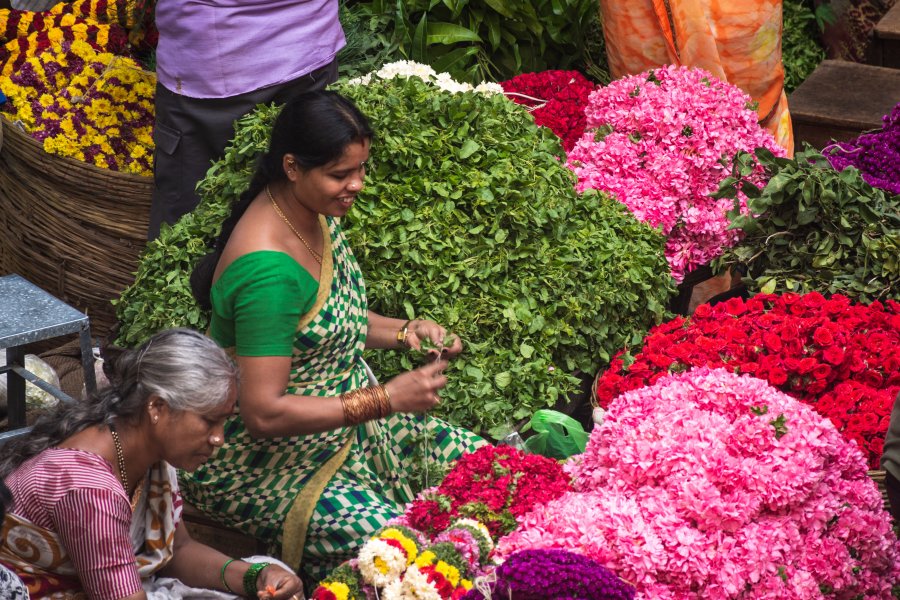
x: 554, y: 575
x: 876, y: 155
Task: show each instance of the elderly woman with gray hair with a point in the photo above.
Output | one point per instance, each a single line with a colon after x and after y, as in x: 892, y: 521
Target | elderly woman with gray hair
x: 96, y: 507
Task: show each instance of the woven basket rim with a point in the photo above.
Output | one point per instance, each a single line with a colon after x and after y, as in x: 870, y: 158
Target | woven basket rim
x: 17, y: 134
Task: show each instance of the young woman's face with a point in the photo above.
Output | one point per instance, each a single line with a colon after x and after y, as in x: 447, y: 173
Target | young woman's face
x: 187, y: 439
x: 331, y: 189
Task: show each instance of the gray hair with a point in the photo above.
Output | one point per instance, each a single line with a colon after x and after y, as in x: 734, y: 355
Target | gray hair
x: 186, y: 369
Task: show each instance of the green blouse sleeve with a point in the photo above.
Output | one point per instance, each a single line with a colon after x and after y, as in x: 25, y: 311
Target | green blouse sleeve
x: 257, y: 303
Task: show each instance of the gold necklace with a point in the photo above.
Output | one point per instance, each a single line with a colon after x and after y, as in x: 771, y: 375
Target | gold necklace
x: 284, y: 218
x: 120, y: 457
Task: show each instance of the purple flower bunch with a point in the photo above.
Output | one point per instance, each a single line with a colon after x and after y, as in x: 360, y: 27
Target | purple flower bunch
x: 552, y: 574
x: 876, y: 154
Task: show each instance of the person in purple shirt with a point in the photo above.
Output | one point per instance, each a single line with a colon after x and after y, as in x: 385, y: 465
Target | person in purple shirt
x: 217, y: 60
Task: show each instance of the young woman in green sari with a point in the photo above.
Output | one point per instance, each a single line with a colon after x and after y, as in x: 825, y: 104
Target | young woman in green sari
x: 316, y: 460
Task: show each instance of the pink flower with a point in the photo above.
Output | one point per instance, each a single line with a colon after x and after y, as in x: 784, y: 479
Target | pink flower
x: 714, y: 485
x: 656, y: 141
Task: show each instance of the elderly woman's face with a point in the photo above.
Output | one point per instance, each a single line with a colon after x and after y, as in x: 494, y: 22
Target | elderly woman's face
x: 187, y: 439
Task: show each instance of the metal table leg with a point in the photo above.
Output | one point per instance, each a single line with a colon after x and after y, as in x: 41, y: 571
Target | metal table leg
x: 87, y: 358
x: 15, y: 387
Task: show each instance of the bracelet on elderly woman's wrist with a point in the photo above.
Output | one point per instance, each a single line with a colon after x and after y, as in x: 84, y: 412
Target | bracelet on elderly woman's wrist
x: 251, y: 576
x: 224, y: 582
x: 403, y: 333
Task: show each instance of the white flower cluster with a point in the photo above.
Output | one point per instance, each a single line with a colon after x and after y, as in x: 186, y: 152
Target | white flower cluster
x: 381, y: 563
x: 408, y: 68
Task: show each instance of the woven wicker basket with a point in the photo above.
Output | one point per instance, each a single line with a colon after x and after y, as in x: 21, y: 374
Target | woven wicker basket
x: 71, y: 228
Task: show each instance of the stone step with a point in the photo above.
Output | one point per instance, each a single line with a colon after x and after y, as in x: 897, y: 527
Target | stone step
x: 840, y: 100
x: 887, y: 39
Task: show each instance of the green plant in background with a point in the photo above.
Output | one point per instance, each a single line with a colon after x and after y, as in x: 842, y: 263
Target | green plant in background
x: 801, y: 47
x: 487, y: 40
x: 816, y: 229
x: 368, y: 41
x: 469, y: 217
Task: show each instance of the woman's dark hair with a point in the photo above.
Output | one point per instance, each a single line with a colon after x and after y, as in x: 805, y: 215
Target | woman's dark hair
x: 186, y: 369
x: 315, y: 128
x: 5, y: 500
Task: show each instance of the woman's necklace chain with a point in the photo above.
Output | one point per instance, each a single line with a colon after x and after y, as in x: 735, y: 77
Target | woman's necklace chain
x: 120, y: 457
x: 284, y: 218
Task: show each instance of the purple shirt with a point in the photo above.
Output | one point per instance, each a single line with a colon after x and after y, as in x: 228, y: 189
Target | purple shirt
x: 222, y: 48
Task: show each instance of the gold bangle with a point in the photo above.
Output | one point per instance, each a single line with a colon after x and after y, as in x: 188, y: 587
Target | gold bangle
x: 404, y: 332
x: 365, y: 404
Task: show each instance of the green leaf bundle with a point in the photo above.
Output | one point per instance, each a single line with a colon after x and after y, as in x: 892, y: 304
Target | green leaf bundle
x: 469, y: 217
x: 817, y: 229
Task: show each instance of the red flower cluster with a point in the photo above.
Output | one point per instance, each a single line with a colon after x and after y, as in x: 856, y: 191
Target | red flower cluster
x: 494, y: 485
x: 560, y: 98
x: 839, y: 357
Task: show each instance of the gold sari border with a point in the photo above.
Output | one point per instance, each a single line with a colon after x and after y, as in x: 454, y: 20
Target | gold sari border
x: 325, y: 276
x: 296, y: 523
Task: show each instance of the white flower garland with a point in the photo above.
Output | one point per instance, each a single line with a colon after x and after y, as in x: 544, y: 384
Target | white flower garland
x: 408, y: 68
x: 392, y: 562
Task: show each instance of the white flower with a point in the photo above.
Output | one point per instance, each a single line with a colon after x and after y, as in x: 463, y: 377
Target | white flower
x: 489, y: 88
x: 381, y: 563
x: 417, y: 586
x: 364, y: 80
x: 406, y: 68
x: 448, y: 84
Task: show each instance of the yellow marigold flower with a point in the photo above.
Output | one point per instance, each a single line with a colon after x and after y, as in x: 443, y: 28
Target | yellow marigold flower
x: 46, y: 100
x: 425, y: 559
x: 448, y: 571
x: 466, y: 584
x: 340, y: 590
x: 409, y: 546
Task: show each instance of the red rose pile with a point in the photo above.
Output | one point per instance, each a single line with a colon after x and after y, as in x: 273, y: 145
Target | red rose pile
x: 841, y: 358
x: 494, y: 485
x: 559, y: 98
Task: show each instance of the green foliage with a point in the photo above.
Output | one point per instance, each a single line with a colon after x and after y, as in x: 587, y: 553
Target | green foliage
x: 368, y: 41
x: 160, y: 296
x: 800, y: 46
x: 469, y: 217
x: 816, y: 229
x: 487, y: 40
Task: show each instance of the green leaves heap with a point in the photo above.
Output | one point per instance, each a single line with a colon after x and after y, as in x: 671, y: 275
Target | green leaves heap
x: 469, y: 217
x: 815, y: 229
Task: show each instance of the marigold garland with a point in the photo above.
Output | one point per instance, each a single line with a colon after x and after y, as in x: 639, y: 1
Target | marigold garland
x: 87, y: 105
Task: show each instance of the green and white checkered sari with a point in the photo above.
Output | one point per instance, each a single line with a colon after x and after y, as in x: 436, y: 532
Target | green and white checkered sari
x: 316, y: 498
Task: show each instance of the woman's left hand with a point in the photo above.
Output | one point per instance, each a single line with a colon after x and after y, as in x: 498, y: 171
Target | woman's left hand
x: 276, y: 583
x: 422, y: 329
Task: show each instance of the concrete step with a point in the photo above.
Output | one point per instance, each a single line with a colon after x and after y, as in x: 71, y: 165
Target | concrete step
x: 840, y: 100
x: 887, y: 39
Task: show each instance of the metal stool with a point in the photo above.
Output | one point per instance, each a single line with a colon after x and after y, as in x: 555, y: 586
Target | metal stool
x: 29, y: 314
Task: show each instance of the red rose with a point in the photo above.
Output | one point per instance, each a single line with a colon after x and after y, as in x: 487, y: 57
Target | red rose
x: 833, y: 355
x: 823, y: 336
x: 777, y: 376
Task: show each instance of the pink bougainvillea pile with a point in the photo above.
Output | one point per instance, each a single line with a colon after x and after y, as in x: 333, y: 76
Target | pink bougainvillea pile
x: 711, y: 485
x: 657, y: 142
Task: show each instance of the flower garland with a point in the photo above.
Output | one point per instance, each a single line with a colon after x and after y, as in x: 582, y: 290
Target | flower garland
x: 94, y: 107
x: 839, y: 357
x: 717, y: 486
x: 495, y: 485
x: 875, y: 154
x: 557, y: 100
x: 408, y: 68
x: 545, y: 574
x: 51, y: 32
x: 657, y: 141
x: 396, y: 564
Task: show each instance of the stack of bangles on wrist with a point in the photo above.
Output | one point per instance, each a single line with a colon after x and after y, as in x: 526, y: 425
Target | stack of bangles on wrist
x: 366, y: 404
x: 403, y: 334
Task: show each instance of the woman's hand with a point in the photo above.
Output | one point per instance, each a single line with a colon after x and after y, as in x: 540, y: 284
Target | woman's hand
x: 417, y: 390
x: 422, y: 329
x: 275, y: 583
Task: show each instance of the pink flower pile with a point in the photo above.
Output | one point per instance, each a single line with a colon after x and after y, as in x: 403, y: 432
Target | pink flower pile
x: 710, y: 485
x: 655, y: 141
